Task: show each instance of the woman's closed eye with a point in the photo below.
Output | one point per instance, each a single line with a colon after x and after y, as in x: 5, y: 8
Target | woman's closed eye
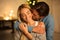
x: 28, y: 12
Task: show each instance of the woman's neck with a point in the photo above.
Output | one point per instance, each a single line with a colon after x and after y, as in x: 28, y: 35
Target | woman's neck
x: 31, y: 22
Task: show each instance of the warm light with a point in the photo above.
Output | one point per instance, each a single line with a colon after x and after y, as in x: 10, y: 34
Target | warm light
x: 11, y: 12
x: 28, y: 0
x: 6, y: 18
x: 33, y: 3
x: 9, y: 16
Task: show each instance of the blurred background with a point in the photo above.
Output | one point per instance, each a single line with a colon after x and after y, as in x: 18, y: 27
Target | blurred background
x: 8, y: 11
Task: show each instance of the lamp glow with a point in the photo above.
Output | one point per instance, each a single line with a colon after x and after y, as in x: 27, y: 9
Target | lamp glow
x: 28, y: 0
x: 33, y: 3
x: 6, y: 18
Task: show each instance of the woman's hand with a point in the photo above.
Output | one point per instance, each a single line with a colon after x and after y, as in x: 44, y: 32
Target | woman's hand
x: 25, y: 31
x: 22, y: 27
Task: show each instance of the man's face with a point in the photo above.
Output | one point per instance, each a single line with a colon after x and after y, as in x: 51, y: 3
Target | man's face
x: 35, y: 15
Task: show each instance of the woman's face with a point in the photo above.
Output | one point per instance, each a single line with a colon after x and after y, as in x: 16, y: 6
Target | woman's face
x: 26, y: 14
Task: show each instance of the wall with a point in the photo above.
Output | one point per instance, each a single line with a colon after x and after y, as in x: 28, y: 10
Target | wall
x: 56, y: 13
x: 7, y: 5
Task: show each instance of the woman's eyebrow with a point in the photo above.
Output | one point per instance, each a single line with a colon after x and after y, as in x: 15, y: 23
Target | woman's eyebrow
x: 28, y: 11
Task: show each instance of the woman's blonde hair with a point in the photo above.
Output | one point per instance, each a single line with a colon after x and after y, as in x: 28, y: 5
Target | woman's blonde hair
x: 19, y: 9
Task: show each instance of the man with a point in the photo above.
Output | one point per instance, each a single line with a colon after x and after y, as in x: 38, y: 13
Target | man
x: 41, y: 11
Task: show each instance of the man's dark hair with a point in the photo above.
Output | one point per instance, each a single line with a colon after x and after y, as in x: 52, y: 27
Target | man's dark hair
x: 42, y: 8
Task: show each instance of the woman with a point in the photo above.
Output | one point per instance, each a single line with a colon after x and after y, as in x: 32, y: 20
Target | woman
x: 20, y: 21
